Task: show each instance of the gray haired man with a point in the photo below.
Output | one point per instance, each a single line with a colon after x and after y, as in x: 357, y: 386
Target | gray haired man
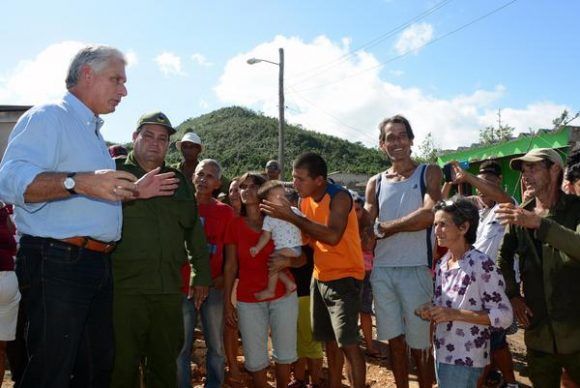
x: 67, y: 196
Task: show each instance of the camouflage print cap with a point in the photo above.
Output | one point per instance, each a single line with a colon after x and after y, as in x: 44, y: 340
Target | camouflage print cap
x: 158, y: 118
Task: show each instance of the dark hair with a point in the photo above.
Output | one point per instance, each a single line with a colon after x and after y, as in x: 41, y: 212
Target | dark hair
x: 313, y: 163
x: 490, y: 167
x: 267, y: 187
x: 396, y: 119
x: 461, y: 210
x: 573, y: 173
x: 573, y: 162
x: 292, y: 195
x: 257, y: 179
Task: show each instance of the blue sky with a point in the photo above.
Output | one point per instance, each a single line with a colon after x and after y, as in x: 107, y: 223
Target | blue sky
x: 188, y: 58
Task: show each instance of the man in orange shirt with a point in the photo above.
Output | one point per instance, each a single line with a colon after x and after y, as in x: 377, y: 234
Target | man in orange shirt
x: 332, y: 228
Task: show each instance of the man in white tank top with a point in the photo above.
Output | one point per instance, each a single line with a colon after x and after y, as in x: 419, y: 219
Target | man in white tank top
x: 400, y: 200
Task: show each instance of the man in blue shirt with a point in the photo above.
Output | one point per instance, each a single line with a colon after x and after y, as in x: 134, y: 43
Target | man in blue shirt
x: 67, y: 195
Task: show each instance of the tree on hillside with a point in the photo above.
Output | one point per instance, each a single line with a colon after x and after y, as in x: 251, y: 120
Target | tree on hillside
x: 492, y: 135
x: 243, y: 140
x: 564, y: 119
x: 428, y: 150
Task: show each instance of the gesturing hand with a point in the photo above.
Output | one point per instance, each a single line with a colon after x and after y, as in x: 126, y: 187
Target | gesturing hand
x: 154, y: 184
x: 510, y: 214
x: 282, y: 211
x: 110, y: 185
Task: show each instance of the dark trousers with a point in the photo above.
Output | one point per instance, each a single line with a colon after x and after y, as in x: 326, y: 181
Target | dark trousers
x: 69, y: 333
x: 546, y: 368
x: 150, y: 328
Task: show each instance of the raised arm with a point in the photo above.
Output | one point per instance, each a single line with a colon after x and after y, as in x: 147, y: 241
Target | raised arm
x: 487, y: 188
x: 331, y: 233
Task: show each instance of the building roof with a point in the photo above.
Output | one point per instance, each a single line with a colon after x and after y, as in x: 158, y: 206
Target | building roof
x: 14, y: 108
x: 542, y: 139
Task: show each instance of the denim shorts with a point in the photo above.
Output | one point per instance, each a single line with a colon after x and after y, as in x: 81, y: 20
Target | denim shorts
x: 397, y: 292
x: 453, y: 376
x: 279, y: 317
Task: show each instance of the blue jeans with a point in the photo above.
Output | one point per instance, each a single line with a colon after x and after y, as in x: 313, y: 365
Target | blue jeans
x: 69, y: 337
x: 212, y: 320
x: 456, y: 376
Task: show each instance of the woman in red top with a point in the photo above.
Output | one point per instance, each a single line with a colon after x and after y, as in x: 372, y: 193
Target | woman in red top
x: 255, y: 319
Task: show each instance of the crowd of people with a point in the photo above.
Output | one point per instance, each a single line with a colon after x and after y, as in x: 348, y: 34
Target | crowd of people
x: 120, y: 255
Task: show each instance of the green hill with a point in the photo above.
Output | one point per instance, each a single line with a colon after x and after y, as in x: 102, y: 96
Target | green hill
x: 243, y: 140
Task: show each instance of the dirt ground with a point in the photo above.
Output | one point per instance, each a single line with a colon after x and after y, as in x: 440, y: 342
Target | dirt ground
x: 379, y: 373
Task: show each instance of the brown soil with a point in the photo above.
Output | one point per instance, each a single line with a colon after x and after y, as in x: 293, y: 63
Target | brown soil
x: 379, y: 372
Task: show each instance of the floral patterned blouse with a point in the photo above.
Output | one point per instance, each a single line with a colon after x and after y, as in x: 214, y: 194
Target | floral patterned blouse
x: 474, y: 284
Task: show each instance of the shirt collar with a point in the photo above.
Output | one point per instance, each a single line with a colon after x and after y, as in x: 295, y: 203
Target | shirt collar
x: 88, y: 118
x: 131, y: 160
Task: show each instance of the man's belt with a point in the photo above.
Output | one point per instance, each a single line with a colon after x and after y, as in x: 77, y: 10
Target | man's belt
x: 90, y: 244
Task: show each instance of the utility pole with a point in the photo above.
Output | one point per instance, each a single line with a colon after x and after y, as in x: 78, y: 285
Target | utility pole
x: 281, y: 112
x: 499, y: 127
x: 281, y: 106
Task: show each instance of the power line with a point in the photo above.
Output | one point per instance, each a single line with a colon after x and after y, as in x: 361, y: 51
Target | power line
x: 353, y: 131
x: 416, y: 48
x: 371, y: 43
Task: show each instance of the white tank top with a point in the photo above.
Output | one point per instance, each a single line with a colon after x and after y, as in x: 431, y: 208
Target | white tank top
x: 396, y: 200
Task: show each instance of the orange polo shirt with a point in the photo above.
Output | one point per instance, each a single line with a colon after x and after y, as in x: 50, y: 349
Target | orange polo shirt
x: 344, y: 259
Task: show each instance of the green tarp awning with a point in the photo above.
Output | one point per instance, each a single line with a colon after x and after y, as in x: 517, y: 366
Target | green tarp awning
x: 521, y: 145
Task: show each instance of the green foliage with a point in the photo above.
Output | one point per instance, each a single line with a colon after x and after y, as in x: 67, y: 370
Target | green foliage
x: 564, y: 119
x: 493, y: 135
x: 428, y: 150
x: 243, y: 140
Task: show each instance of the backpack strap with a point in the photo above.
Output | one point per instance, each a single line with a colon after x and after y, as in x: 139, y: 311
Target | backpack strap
x: 332, y: 189
x: 378, y: 190
x: 429, y: 230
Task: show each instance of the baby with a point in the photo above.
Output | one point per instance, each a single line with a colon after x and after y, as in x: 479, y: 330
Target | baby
x: 287, y: 239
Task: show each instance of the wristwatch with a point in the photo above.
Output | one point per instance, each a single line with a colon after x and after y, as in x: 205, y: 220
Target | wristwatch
x: 378, y: 233
x: 69, y: 183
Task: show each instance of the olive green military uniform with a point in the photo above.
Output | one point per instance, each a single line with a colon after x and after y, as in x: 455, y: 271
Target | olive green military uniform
x: 550, y: 272
x: 159, y: 234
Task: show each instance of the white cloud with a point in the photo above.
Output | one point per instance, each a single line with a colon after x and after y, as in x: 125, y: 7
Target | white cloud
x: 41, y: 78
x: 330, y: 100
x: 132, y: 59
x: 169, y: 64
x: 414, y: 37
x: 200, y: 59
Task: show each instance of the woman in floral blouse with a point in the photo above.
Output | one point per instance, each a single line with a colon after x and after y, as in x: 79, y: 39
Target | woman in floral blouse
x: 469, y: 298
